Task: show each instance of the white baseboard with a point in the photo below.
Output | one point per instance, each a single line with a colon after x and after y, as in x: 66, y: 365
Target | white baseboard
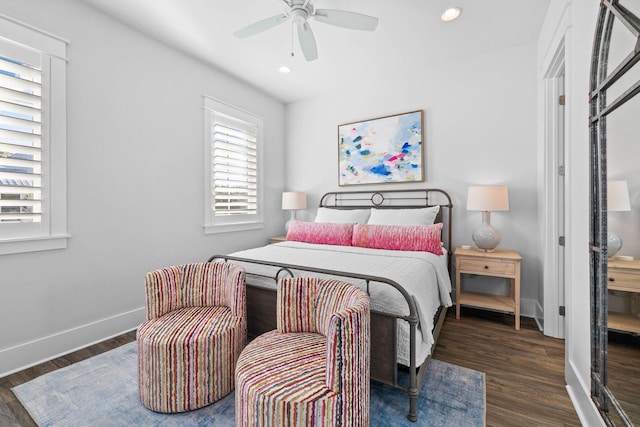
x: 34, y: 352
x: 528, y: 307
x: 581, y: 398
x: 539, y: 315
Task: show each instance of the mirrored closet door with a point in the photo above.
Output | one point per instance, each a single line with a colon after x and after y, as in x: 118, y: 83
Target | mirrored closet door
x: 615, y: 212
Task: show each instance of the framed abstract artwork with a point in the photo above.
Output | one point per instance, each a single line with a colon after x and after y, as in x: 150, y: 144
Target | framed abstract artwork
x: 387, y: 149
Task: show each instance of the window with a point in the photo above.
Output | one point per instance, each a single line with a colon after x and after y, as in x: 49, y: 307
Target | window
x: 232, y: 168
x: 20, y: 141
x: 32, y: 139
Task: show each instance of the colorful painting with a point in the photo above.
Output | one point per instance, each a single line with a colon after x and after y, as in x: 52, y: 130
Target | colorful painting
x: 386, y: 149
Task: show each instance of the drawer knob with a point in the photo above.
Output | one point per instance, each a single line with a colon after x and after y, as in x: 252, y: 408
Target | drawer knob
x: 486, y: 267
x: 611, y: 279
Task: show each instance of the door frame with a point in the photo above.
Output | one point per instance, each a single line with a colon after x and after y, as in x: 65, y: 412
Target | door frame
x: 555, y: 133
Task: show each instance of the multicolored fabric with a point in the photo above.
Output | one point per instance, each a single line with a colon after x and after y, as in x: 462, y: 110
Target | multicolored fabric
x: 193, y: 285
x: 187, y: 354
x: 317, y: 374
x: 280, y: 381
x: 321, y: 233
x: 399, y: 237
x: 296, y: 311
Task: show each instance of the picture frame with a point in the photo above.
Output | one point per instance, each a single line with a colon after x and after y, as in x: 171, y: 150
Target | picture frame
x: 388, y: 149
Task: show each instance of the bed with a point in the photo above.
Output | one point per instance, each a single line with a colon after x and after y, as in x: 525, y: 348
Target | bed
x: 409, y: 289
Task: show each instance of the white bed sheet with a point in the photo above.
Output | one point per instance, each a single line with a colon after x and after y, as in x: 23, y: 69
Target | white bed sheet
x: 422, y: 274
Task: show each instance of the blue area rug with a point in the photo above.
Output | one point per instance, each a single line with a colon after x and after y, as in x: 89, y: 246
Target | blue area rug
x: 103, y: 391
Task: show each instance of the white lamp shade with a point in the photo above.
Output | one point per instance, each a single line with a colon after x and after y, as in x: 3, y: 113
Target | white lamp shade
x: 489, y: 198
x: 618, y: 196
x: 294, y: 200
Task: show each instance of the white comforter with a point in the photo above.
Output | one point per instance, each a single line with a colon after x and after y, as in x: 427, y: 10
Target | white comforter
x: 423, y: 275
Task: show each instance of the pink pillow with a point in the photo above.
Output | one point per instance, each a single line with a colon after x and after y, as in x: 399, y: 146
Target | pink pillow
x: 321, y: 232
x: 424, y: 238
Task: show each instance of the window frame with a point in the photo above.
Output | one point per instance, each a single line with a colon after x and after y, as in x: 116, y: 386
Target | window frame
x: 51, y: 232
x: 230, y: 223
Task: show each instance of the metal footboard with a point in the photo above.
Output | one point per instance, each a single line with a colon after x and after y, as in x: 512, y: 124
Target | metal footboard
x: 415, y: 378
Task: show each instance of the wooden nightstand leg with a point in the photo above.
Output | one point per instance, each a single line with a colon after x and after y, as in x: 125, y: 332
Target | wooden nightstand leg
x: 634, y: 305
x: 517, y: 299
x: 458, y: 287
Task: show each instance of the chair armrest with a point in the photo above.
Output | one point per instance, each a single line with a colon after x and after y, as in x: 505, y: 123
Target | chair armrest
x: 235, y: 290
x: 162, y: 291
x: 348, y: 348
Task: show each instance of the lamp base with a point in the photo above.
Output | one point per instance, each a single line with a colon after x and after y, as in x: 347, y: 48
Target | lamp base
x: 486, y: 237
x: 288, y: 223
x: 614, y: 244
x: 485, y: 250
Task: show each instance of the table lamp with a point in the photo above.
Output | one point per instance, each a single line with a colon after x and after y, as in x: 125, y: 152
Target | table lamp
x: 617, y: 201
x: 293, y: 200
x: 487, y: 199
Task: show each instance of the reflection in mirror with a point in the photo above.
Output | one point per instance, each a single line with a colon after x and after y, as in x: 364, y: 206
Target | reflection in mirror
x: 615, y: 212
x: 622, y: 45
x: 623, y: 205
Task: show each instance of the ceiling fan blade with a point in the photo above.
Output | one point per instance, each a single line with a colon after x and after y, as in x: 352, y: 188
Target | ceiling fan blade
x: 307, y: 42
x: 258, y: 27
x: 346, y: 19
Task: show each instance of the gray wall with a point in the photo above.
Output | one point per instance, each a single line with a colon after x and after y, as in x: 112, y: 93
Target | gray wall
x: 480, y: 128
x: 135, y: 183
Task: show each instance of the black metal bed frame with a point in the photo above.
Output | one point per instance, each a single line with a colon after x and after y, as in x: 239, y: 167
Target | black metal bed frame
x: 391, y: 199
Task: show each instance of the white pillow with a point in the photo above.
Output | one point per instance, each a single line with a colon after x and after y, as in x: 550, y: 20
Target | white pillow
x: 343, y: 216
x: 420, y: 216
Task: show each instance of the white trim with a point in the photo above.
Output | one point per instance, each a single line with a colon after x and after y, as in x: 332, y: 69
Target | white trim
x: 580, y: 396
x: 51, y: 233
x: 228, y: 228
x: 22, y: 356
x: 33, y: 244
x: 564, y: 23
x: 528, y: 308
x: 230, y: 224
x: 32, y: 37
x: 539, y: 315
x: 553, y: 321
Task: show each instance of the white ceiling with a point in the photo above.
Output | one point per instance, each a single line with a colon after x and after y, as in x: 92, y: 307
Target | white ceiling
x: 410, y: 34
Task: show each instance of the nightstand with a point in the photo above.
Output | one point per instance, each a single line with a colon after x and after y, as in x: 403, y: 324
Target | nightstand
x: 625, y: 276
x: 277, y: 239
x: 499, y: 263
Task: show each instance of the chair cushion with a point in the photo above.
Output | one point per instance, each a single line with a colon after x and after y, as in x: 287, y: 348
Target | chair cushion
x: 283, y: 367
x: 188, y: 325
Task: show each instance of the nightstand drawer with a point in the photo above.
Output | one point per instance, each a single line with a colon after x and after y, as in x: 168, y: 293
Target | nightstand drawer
x: 623, y: 281
x: 489, y: 267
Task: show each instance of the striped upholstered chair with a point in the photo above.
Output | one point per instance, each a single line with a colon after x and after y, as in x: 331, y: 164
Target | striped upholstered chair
x: 193, y: 335
x: 314, y: 369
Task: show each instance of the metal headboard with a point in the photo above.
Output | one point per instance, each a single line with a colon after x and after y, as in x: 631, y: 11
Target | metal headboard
x: 397, y: 199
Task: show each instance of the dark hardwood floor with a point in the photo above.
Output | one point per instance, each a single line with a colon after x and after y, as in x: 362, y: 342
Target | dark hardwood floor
x: 524, y: 370
x: 623, y: 372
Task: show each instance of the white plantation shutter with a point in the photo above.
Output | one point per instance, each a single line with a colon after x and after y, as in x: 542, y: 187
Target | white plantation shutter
x: 33, y: 139
x: 20, y: 141
x: 234, y: 166
x: 233, y: 138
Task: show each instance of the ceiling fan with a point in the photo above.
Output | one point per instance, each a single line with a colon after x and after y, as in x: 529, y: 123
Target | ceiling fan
x: 299, y: 11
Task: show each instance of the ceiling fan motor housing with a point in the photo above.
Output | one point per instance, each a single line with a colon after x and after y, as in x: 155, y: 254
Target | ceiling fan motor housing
x: 299, y: 15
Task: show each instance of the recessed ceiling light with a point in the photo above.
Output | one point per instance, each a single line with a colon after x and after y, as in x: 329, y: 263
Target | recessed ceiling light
x: 284, y: 69
x: 451, y: 14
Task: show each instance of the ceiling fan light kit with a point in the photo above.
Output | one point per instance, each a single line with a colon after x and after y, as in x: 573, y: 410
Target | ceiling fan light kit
x: 299, y: 12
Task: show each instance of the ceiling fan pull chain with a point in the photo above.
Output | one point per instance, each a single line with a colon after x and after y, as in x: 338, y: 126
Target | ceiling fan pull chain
x: 292, y: 24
